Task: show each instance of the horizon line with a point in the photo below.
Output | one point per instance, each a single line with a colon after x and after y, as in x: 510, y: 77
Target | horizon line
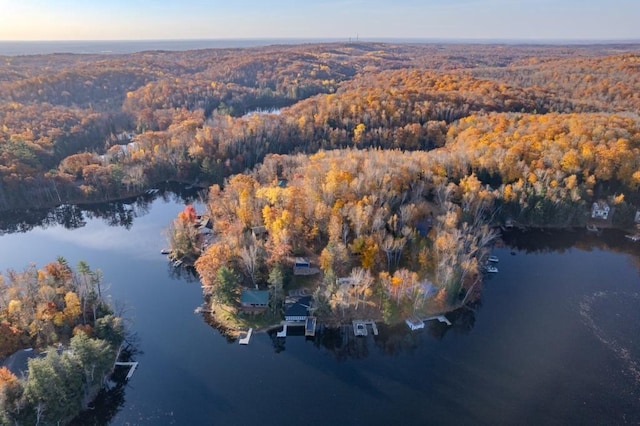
x: 347, y: 38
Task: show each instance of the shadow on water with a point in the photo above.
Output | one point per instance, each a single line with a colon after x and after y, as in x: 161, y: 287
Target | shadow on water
x: 393, y: 340
x: 183, y: 272
x: 120, y: 213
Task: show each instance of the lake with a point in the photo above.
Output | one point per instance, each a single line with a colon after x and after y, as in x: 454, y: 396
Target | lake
x: 554, y: 339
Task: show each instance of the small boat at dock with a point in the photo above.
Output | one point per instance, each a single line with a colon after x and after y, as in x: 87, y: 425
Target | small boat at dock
x: 493, y: 259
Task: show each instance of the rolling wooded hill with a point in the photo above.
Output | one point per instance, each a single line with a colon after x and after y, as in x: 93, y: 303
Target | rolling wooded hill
x: 97, y: 127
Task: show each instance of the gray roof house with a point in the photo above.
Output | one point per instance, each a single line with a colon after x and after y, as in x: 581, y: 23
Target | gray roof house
x: 18, y: 362
x: 299, y: 310
x: 254, y: 300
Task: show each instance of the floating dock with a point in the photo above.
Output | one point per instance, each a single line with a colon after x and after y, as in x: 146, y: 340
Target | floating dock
x: 245, y: 339
x: 360, y: 327
x: 414, y: 323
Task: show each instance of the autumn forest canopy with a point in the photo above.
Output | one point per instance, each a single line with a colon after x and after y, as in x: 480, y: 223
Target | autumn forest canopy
x: 96, y: 127
x: 390, y: 168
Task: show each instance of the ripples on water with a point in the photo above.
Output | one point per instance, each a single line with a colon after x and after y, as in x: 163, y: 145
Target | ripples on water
x: 614, y: 318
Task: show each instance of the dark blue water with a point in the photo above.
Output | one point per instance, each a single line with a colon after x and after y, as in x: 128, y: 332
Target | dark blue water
x: 553, y: 341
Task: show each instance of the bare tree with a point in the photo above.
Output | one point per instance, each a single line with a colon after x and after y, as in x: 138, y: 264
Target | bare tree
x: 250, y: 255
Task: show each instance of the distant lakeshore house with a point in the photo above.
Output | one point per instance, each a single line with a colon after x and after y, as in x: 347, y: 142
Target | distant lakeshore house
x: 302, y: 266
x: 299, y: 310
x: 18, y: 362
x: 600, y: 210
x: 254, y: 300
x: 345, y: 281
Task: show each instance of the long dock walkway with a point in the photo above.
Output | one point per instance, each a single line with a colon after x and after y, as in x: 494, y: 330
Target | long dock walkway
x: 132, y: 367
x: 440, y: 318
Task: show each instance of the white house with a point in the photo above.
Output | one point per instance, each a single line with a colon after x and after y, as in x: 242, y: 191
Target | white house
x: 600, y: 210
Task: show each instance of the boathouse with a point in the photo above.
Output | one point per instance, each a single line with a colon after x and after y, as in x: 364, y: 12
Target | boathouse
x: 299, y: 310
x: 414, y: 323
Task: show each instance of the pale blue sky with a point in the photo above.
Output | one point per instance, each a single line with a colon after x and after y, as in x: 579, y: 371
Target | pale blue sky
x: 216, y: 19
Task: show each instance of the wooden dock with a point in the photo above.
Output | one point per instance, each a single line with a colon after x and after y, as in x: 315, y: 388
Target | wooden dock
x: 202, y: 310
x: 132, y: 367
x: 440, y: 318
x: 245, y: 339
x: 310, y: 326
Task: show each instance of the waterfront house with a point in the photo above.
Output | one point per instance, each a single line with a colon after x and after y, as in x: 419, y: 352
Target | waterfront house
x: 299, y: 310
x: 254, y: 300
x: 600, y: 210
x: 18, y: 362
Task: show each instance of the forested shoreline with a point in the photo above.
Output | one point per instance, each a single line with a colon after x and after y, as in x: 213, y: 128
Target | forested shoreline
x: 361, y: 145
x: 387, y: 169
x: 59, y: 320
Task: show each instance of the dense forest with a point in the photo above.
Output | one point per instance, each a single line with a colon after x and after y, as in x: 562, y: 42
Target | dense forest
x: 97, y: 127
x: 389, y: 164
x: 64, y: 317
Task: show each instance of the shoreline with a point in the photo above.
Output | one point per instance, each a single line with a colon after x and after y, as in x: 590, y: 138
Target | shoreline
x: 80, y: 202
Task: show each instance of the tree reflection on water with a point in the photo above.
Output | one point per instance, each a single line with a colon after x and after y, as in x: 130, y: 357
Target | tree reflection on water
x: 71, y: 216
x: 343, y: 344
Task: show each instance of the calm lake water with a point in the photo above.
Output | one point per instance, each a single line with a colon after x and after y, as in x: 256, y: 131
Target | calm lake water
x: 553, y: 341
